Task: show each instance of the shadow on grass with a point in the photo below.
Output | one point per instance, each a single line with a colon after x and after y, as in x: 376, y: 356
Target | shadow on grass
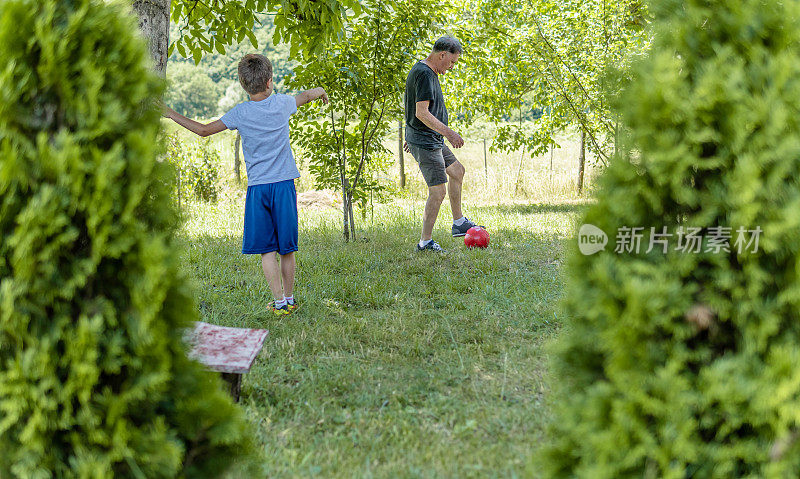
x: 395, y: 233
x: 536, y: 208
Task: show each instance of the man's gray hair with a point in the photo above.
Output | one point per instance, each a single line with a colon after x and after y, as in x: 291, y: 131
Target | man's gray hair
x: 448, y: 44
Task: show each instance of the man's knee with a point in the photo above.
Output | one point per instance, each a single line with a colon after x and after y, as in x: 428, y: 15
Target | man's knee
x: 437, y: 192
x: 456, y: 171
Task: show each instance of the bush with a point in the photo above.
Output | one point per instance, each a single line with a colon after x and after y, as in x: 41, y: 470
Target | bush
x: 94, y: 381
x: 197, y: 164
x: 191, y: 91
x: 679, y: 364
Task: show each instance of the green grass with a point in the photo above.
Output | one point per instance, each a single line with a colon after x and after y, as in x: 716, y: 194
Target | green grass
x: 397, y: 364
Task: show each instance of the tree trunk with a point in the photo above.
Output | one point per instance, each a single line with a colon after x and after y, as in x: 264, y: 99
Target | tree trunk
x: 154, y: 25
x: 581, y: 161
x: 346, y: 219
x: 237, y: 163
x: 402, y: 158
x: 350, y: 212
x: 552, y: 148
x: 519, y: 170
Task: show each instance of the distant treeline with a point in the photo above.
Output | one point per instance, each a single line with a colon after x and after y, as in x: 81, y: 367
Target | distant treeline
x: 211, y: 87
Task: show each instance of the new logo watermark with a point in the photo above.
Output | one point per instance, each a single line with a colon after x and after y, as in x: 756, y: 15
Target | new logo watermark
x: 691, y: 239
x: 591, y: 239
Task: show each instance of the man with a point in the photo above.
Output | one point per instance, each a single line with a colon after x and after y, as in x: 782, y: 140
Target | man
x: 426, y: 129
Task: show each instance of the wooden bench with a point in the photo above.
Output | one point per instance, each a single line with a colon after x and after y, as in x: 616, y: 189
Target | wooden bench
x: 230, y: 351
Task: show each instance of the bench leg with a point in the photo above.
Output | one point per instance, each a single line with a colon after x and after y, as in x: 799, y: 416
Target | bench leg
x: 234, y: 382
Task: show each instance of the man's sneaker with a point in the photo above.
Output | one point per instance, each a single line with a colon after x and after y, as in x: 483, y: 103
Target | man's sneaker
x: 462, y: 230
x: 292, y: 306
x: 282, y: 311
x: 431, y: 246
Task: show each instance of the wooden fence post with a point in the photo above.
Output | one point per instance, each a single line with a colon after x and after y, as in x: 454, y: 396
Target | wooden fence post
x: 485, y: 163
x: 237, y: 164
x: 400, y: 152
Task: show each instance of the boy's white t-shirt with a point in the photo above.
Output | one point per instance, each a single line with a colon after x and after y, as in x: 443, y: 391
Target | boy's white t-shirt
x: 264, y: 126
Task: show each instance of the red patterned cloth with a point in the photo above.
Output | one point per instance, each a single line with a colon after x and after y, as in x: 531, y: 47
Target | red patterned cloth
x: 223, y: 349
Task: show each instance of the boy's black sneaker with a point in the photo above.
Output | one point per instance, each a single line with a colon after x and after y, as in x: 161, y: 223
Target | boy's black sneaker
x: 282, y: 311
x: 293, y: 306
x: 431, y: 246
x: 462, y: 230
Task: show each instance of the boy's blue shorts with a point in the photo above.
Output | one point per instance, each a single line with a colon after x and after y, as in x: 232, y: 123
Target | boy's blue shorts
x: 270, y: 218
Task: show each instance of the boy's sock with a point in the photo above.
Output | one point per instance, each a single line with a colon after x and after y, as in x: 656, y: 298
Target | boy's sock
x: 289, y: 299
x: 279, y: 303
x: 460, y: 221
x: 422, y: 243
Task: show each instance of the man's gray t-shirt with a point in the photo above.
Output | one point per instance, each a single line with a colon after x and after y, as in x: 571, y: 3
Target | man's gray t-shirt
x: 422, y: 84
x: 264, y: 126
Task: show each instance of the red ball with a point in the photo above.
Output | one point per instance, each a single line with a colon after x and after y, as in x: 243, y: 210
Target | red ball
x: 476, y: 237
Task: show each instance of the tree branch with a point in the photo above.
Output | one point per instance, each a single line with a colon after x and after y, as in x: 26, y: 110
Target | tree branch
x: 572, y: 74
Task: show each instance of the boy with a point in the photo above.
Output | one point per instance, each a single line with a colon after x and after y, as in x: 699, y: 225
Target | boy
x: 270, y: 211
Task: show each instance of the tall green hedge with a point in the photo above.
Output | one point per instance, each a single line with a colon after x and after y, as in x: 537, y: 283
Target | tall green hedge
x: 94, y: 381
x: 684, y: 364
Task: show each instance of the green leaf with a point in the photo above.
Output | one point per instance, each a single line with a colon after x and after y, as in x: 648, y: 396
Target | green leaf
x: 176, y: 11
x: 251, y: 36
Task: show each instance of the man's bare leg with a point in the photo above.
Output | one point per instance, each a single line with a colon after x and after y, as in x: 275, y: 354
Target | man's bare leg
x: 456, y: 173
x: 435, y: 197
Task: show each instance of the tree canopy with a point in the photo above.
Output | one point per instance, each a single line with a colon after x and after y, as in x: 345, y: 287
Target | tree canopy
x: 555, y: 61
x: 213, y: 25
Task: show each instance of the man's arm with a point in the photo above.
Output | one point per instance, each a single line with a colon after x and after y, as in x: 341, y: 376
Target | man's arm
x: 194, y: 126
x: 425, y: 116
x: 311, y: 95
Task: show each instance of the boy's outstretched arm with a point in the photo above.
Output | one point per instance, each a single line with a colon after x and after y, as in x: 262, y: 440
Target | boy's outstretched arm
x: 311, y: 95
x: 194, y: 126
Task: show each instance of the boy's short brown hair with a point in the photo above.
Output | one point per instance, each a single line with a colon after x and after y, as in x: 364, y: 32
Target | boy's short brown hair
x: 254, y: 72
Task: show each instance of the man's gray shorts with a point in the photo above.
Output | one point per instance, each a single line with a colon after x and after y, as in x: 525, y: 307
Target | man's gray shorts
x: 433, y: 163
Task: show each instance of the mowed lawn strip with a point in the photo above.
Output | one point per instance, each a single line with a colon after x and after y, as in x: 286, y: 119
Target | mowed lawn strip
x: 398, y: 363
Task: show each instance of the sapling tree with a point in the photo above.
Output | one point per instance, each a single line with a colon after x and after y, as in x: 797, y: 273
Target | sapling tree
x: 364, y: 74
